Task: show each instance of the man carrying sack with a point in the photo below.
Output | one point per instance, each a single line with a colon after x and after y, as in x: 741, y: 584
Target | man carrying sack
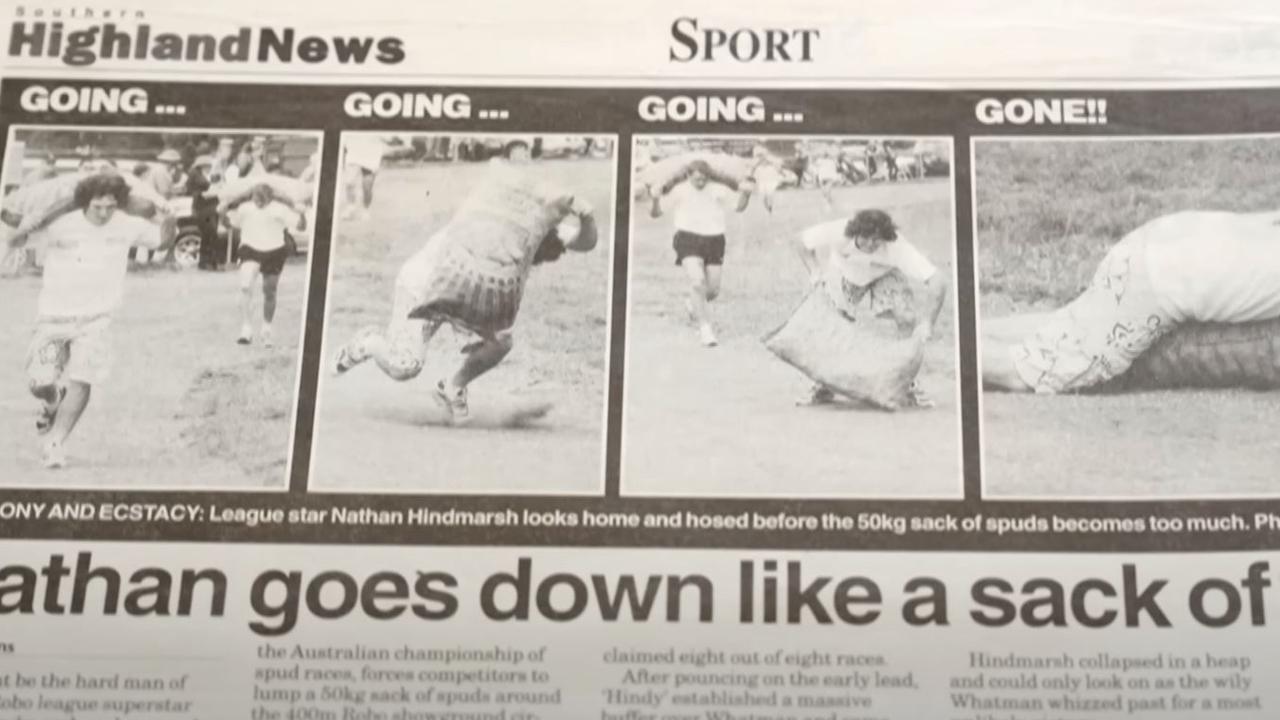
x: 865, y: 259
x: 472, y: 273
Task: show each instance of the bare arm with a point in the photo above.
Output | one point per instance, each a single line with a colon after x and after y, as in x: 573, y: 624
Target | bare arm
x: 588, y: 235
x: 808, y: 258
x: 744, y: 195
x: 935, y: 289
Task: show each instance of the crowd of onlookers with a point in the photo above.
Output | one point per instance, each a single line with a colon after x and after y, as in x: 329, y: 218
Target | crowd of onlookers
x: 820, y: 164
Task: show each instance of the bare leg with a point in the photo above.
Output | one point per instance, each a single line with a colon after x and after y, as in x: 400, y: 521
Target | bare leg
x: 713, y: 283
x: 699, y: 290
x: 50, y: 395
x: 248, y: 275
x: 367, y: 179
x: 270, y: 283
x: 69, y: 413
x: 482, y: 358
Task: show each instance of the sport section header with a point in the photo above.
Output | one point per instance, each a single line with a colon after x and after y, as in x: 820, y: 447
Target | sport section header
x: 977, y: 111
x: 673, y: 41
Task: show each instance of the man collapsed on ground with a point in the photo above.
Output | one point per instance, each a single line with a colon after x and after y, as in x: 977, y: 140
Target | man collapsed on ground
x: 86, y: 261
x: 1193, y: 275
x: 865, y: 275
x: 472, y: 273
x: 700, y: 206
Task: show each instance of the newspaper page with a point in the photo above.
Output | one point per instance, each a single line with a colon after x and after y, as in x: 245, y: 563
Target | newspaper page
x: 646, y: 361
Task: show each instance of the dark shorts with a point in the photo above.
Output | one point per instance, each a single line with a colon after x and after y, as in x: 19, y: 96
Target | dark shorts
x: 708, y: 247
x: 271, y: 262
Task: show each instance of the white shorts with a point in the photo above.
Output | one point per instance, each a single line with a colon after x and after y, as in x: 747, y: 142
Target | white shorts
x: 72, y: 348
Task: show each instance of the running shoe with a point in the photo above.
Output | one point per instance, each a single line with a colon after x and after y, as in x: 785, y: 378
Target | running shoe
x: 708, y: 336
x: 454, y: 402
x: 54, y: 456
x: 920, y: 398
x: 354, y: 352
x: 819, y: 394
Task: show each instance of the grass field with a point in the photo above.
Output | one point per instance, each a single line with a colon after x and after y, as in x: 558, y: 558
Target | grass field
x: 723, y: 421
x: 184, y: 406
x: 1046, y: 213
x: 377, y: 434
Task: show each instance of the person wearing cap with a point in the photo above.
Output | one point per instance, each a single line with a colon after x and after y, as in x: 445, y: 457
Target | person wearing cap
x: 859, y: 253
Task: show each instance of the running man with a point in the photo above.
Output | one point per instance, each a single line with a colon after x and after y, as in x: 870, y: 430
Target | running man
x: 472, y: 274
x: 264, y: 223
x: 1205, y: 267
x: 866, y: 256
x: 699, y: 242
x: 86, y: 260
x: 363, y: 155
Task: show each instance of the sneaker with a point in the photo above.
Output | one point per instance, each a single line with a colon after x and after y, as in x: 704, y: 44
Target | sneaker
x: 454, y: 402
x: 919, y: 398
x: 246, y: 334
x: 688, y: 309
x: 49, y: 412
x: 54, y: 456
x: 708, y: 336
x: 819, y: 394
x: 353, y: 353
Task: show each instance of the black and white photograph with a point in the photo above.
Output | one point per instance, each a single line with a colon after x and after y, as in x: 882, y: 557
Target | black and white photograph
x: 153, y: 294
x: 1129, y: 316
x: 791, y: 322
x: 467, y: 321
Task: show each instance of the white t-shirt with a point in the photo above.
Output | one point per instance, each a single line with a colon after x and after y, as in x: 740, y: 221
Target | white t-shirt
x: 702, y: 212
x: 365, y: 151
x: 85, y: 264
x: 1215, y: 266
x: 862, y: 268
x: 263, y: 228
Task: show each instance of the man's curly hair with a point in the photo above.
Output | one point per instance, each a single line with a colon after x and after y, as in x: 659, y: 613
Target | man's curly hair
x: 876, y: 224
x: 100, y: 185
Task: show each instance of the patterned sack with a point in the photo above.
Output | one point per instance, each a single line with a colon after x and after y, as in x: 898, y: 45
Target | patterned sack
x: 480, y: 297
x: 480, y: 261
x: 854, y: 357
x: 1208, y: 355
x: 282, y: 186
x: 665, y: 174
x: 38, y: 204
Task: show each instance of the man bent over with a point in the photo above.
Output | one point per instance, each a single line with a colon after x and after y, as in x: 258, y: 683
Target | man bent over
x: 472, y: 274
x: 864, y: 255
